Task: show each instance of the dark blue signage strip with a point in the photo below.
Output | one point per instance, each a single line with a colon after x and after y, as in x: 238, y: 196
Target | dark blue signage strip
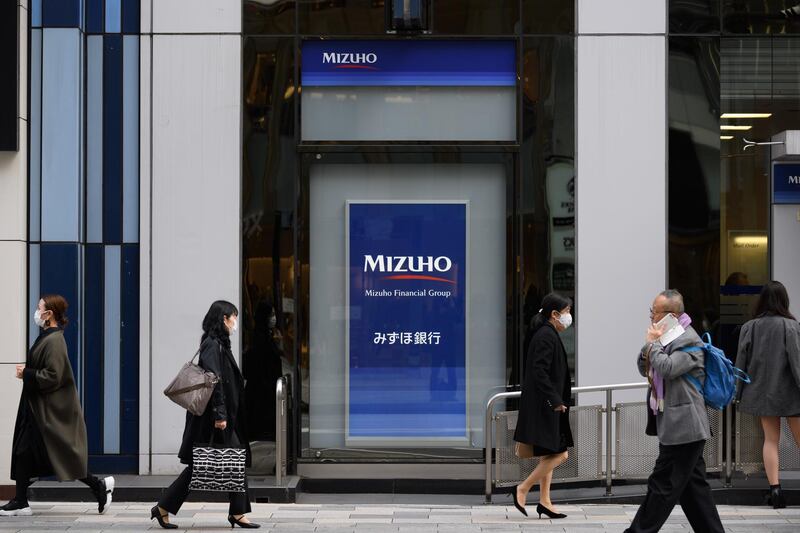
x: 409, y: 63
x: 786, y: 183
x: 406, y: 327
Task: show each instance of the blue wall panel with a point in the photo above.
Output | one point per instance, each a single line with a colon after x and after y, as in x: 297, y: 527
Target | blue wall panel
x: 33, y: 290
x: 130, y: 350
x: 36, y: 13
x: 60, y: 274
x: 131, y: 16
x: 94, y: 138
x: 113, y: 16
x: 61, y: 13
x: 94, y: 16
x: 130, y: 139
x: 112, y: 139
x: 35, y: 181
x: 62, y: 98
x: 111, y: 349
x: 94, y: 297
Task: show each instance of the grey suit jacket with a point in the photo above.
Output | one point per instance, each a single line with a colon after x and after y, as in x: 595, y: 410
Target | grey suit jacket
x: 769, y: 351
x: 684, y: 418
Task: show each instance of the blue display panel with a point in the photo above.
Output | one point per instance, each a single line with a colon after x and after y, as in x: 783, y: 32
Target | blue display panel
x: 406, y: 323
x: 786, y: 183
x: 409, y: 63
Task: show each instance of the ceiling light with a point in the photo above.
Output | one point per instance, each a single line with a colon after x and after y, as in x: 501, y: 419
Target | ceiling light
x: 751, y: 240
x: 728, y: 127
x: 746, y: 115
x: 725, y: 137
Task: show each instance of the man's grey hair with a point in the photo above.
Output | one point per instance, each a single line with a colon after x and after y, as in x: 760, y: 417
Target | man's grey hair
x: 675, y: 300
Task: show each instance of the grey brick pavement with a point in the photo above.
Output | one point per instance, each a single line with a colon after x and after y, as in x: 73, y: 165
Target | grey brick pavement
x: 428, y: 517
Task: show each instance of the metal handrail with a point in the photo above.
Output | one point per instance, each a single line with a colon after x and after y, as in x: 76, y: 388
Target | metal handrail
x: 280, y: 428
x: 487, y: 429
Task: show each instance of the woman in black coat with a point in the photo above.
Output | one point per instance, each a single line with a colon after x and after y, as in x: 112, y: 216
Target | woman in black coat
x: 224, y: 418
x: 543, y: 422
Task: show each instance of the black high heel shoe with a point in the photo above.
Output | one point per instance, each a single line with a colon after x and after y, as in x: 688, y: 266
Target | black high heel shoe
x: 520, y: 508
x: 155, y: 514
x: 542, y: 510
x: 776, y: 498
x: 238, y: 522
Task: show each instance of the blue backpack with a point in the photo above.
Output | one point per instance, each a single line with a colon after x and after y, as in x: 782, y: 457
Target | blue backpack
x: 721, y: 376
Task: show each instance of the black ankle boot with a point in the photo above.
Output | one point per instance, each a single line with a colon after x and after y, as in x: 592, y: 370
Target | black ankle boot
x: 776, y: 497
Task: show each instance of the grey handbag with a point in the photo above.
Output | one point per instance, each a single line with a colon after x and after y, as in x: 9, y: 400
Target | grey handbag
x: 192, y: 387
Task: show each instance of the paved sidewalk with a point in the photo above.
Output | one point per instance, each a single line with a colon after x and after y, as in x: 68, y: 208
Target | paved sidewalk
x: 382, y: 517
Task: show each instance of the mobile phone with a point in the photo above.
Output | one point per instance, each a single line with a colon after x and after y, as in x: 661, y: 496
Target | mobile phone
x: 671, y: 327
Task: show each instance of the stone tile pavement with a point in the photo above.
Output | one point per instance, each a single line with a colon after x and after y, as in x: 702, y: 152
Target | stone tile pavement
x: 351, y: 513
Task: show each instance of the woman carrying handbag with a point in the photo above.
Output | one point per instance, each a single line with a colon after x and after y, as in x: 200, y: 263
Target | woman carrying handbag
x: 221, y: 422
x: 543, y: 424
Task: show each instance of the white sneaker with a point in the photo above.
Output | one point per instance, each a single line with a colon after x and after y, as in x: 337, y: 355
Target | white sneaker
x: 108, y: 483
x: 13, y: 508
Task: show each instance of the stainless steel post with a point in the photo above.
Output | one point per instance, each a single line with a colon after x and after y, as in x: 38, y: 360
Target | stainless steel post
x: 609, y: 419
x: 728, y: 445
x: 487, y: 439
x: 280, y: 430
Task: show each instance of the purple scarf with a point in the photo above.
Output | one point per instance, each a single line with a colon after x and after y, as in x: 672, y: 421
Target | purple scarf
x: 657, y: 391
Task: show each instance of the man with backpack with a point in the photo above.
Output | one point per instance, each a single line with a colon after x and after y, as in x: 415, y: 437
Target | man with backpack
x: 677, y: 415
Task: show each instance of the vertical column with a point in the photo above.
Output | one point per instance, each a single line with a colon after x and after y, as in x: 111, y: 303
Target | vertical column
x: 621, y: 183
x: 194, y: 201
x: 13, y: 250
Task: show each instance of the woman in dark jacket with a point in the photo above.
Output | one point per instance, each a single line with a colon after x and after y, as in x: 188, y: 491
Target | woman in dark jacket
x: 543, y: 421
x: 50, y: 434
x: 769, y: 351
x: 224, y: 417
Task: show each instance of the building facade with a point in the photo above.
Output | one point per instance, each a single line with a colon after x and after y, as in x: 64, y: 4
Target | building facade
x: 399, y: 184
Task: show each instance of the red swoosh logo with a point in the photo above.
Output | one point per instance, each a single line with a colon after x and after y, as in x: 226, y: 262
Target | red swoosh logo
x: 418, y: 276
x: 365, y: 67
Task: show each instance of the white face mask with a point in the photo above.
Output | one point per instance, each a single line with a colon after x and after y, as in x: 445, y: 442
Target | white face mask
x: 235, y: 326
x: 37, y: 317
x: 565, y: 320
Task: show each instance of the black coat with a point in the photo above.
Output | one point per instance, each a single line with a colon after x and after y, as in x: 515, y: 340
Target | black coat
x: 227, y: 403
x: 547, y: 385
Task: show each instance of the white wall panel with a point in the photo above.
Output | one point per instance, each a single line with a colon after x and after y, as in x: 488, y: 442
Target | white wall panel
x: 195, y: 204
x: 144, y: 253
x: 621, y: 201
x: 197, y: 16
x: 622, y: 16
x: 11, y: 388
x: 14, y: 189
x: 13, y: 299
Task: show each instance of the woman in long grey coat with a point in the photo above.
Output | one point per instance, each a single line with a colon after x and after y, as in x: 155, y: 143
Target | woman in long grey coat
x: 769, y: 351
x: 50, y: 434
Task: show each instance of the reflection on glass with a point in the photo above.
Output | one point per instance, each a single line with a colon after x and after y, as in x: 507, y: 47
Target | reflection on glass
x: 694, y: 16
x: 547, y: 196
x: 368, y: 17
x: 476, y: 17
x: 720, y: 204
x: 548, y: 16
x: 268, y: 174
x: 761, y: 17
x: 268, y: 17
x: 694, y: 176
x: 342, y: 17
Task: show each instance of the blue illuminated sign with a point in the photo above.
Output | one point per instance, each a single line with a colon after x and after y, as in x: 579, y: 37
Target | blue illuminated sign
x: 409, y: 63
x: 786, y: 183
x: 406, y: 323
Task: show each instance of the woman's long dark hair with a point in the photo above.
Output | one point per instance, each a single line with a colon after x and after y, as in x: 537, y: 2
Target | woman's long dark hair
x: 551, y: 302
x: 214, y: 322
x: 773, y: 301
